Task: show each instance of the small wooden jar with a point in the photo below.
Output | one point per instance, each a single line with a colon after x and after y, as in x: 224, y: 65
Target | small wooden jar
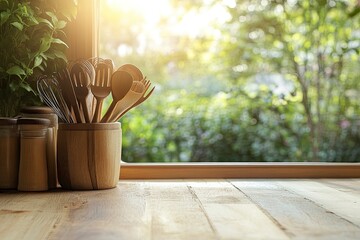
x: 51, y: 136
x: 89, y: 155
x: 33, y: 175
x: 9, y: 153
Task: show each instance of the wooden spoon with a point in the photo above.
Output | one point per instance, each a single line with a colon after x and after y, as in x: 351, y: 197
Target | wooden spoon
x: 101, y: 87
x: 133, y: 70
x: 135, y: 93
x: 121, y: 83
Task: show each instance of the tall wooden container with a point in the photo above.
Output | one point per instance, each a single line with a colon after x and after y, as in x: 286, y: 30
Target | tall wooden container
x: 89, y: 155
x: 9, y: 153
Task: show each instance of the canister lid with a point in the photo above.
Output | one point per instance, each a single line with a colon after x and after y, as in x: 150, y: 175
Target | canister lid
x: 37, y: 110
x: 7, y: 121
x: 34, y: 121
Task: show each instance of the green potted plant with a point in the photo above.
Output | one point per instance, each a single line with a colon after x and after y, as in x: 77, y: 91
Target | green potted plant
x: 32, y: 42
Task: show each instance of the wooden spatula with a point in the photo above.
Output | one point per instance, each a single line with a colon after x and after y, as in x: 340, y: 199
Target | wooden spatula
x: 135, y: 93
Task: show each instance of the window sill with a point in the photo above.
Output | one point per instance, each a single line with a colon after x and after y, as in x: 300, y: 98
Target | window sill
x: 239, y: 170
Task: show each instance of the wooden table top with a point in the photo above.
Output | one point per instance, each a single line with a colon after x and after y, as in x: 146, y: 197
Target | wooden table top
x: 188, y: 209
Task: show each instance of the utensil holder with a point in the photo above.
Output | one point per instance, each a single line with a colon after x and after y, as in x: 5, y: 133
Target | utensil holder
x: 89, y: 155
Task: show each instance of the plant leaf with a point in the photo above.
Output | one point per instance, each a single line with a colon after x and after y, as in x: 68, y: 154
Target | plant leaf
x: 47, y: 22
x: 4, y: 16
x: 26, y: 86
x: 33, y: 20
x: 17, y: 25
x: 54, y: 19
x: 38, y: 61
x: 45, y: 44
x: 54, y: 53
x: 59, y: 41
x: 60, y: 24
x: 16, y: 70
x: 60, y: 54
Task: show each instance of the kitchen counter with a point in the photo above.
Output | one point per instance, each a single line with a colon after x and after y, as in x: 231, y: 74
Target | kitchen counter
x: 188, y: 209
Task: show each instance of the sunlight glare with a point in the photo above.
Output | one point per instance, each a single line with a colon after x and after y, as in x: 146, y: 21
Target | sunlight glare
x: 195, y: 22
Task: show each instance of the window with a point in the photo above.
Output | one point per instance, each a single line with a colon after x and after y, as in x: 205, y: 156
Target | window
x: 238, y: 170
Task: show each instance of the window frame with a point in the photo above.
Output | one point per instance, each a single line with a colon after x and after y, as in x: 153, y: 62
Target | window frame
x: 85, y: 45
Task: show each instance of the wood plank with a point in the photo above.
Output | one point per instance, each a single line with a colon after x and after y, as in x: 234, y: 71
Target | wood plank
x: 232, y: 214
x: 343, y: 204
x: 174, y: 212
x: 28, y: 216
x: 238, y: 170
x: 298, y: 216
x: 346, y: 185
x: 117, y: 213
x: 136, y: 210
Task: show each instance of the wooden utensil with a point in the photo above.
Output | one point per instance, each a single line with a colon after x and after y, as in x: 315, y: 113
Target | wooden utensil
x: 147, y: 84
x: 121, y: 83
x: 131, y: 97
x: 140, y: 100
x: 97, y: 165
x: 81, y: 81
x: 133, y: 70
x: 68, y: 93
x: 101, y: 87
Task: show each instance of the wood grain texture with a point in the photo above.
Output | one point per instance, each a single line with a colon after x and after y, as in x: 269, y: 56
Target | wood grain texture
x: 186, y: 209
x: 346, y: 185
x: 171, y: 207
x: 239, y: 170
x: 343, y: 204
x: 296, y: 214
x: 89, y: 155
x: 232, y: 214
x: 33, y: 175
x: 81, y: 33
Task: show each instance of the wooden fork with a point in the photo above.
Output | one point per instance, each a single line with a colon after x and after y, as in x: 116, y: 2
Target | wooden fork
x: 101, y: 87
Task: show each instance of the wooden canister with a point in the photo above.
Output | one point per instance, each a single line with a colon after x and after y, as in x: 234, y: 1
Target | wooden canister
x: 89, y: 155
x: 33, y: 175
x: 51, y: 136
x: 9, y: 153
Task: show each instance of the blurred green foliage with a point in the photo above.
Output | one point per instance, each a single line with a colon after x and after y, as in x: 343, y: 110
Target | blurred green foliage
x: 276, y: 80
